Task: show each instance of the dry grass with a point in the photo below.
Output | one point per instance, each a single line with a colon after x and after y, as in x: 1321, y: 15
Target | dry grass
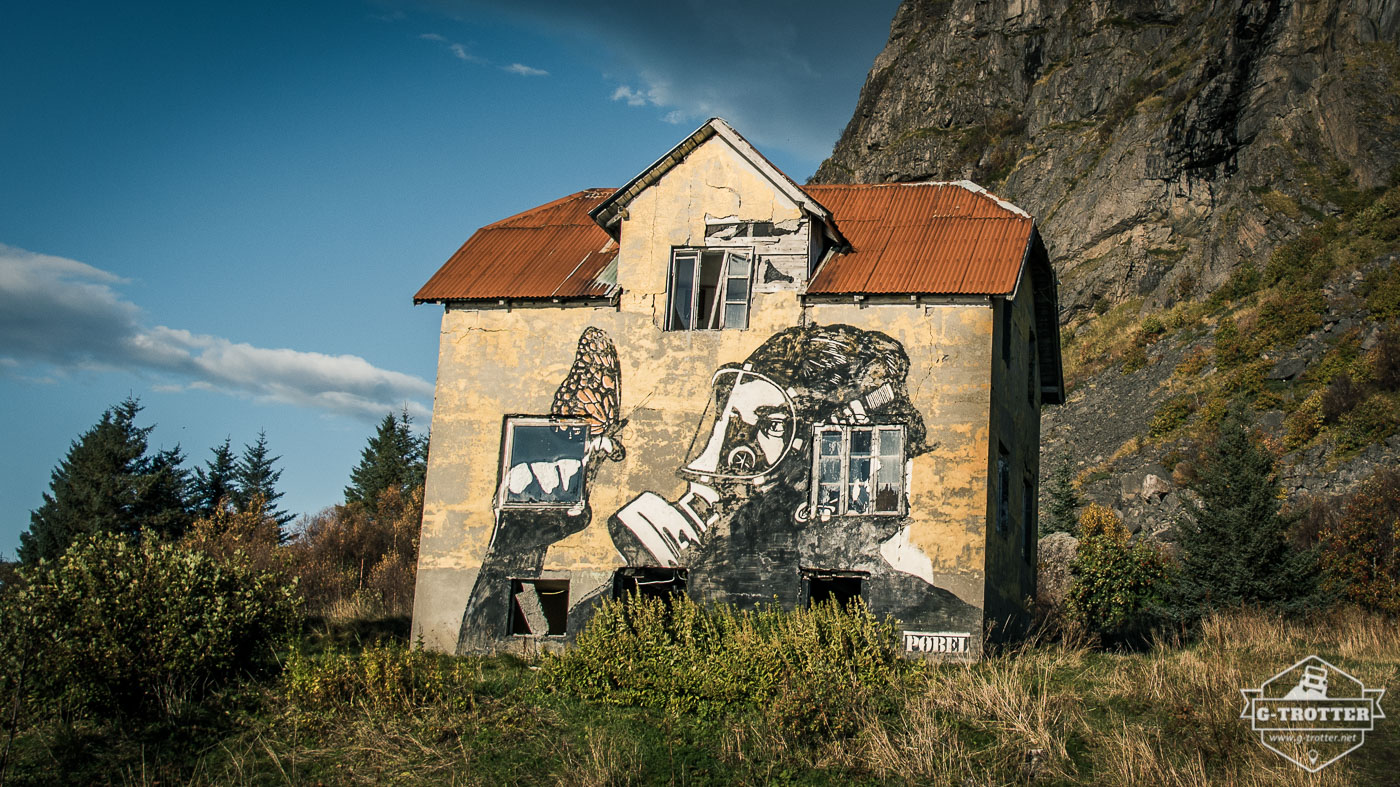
x: 1046, y: 713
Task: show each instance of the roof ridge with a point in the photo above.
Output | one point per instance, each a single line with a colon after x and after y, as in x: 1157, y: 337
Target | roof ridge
x: 587, y: 193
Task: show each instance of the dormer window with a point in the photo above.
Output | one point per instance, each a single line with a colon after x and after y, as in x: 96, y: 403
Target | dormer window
x: 709, y: 289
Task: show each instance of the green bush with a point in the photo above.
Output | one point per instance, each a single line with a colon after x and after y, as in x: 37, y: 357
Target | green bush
x: 1171, y: 415
x: 114, y: 629
x: 1360, y: 552
x: 1119, y: 584
x: 1371, y: 421
x: 805, y: 670
x: 383, y: 678
x: 1231, y: 347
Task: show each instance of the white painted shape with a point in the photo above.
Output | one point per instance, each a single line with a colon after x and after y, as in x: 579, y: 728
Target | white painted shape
x: 568, y: 468
x: 547, y: 473
x: 518, y: 478
x: 903, y: 555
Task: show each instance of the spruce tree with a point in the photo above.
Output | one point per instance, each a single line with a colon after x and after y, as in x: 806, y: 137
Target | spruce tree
x: 1062, y: 504
x: 1234, y: 538
x: 257, y: 476
x: 215, y: 485
x: 393, y: 459
x: 108, y: 484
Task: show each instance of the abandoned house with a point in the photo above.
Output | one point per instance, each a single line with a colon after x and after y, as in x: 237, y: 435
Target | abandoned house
x: 714, y: 381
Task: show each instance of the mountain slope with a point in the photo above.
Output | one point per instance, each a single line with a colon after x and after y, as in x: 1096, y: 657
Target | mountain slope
x: 1158, y: 144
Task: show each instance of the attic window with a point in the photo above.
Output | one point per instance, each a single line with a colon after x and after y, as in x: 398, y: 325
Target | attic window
x: 859, y: 470
x: 708, y: 290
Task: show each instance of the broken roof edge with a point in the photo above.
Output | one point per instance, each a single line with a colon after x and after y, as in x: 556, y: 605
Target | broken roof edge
x: 608, y: 298
x: 608, y: 211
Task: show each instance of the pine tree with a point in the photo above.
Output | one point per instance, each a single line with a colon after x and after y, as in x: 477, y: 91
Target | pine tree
x: 107, y: 484
x: 215, y: 485
x: 257, y: 476
x: 1235, y: 537
x: 1062, y: 509
x: 393, y: 459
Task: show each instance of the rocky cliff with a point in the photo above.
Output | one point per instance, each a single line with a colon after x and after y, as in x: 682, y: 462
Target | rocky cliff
x: 1219, y: 187
x: 1157, y: 142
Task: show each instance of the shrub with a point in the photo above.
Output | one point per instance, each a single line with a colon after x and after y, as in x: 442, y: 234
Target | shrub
x: 1382, y: 290
x: 1171, y: 415
x: 382, y: 679
x: 1385, y: 360
x: 1231, y: 347
x: 1303, y: 424
x: 360, y: 560
x: 807, y: 670
x: 114, y: 629
x: 1119, y: 585
x: 1339, y: 398
x: 1369, y: 422
x: 1361, y: 548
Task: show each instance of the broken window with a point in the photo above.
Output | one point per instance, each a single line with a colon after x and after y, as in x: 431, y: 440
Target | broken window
x: 543, y: 462
x: 1032, y: 387
x: 649, y: 582
x: 709, y: 290
x: 859, y: 470
x: 842, y: 587
x: 539, y: 607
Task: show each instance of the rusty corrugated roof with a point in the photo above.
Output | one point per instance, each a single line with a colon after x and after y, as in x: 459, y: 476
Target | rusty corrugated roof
x: 914, y: 238
x: 922, y: 238
x: 553, y: 251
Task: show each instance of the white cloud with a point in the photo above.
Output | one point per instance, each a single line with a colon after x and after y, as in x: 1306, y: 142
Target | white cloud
x: 460, y: 52
x: 525, y: 71
x: 634, y: 98
x: 433, y: 37
x: 65, y: 314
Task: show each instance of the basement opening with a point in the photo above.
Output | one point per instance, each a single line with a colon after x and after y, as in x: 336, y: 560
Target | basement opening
x: 539, y: 607
x: 843, y: 587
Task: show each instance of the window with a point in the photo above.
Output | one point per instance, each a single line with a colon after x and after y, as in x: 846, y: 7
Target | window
x: 543, y: 462
x: 1028, y: 523
x: 859, y: 470
x: 539, y: 607
x: 842, y: 587
x: 709, y: 290
x: 1003, y: 488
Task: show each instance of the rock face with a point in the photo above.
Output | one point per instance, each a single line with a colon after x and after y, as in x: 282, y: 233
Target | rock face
x: 1158, y: 143
x: 1056, y: 552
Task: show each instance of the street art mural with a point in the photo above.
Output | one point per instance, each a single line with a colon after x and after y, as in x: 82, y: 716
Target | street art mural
x: 547, y: 463
x: 797, y: 488
x: 797, y: 481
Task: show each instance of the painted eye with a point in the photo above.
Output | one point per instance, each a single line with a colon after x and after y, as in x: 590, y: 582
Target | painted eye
x: 775, y: 426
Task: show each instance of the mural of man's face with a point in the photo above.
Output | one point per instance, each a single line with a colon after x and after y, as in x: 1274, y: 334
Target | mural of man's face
x: 752, y: 429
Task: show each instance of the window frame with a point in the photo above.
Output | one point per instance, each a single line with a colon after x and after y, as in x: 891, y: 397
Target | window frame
x: 876, y: 459
x: 507, y: 442
x: 721, y: 301
x: 1003, y: 509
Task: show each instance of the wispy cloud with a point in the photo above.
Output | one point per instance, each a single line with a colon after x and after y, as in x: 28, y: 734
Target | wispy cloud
x: 433, y: 37
x: 524, y: 70
x: 68, y: 315
x: 634, y: 98
x: 786, y: 73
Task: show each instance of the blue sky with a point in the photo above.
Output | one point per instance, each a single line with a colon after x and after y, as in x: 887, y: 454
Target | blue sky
x: 224, y: 208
